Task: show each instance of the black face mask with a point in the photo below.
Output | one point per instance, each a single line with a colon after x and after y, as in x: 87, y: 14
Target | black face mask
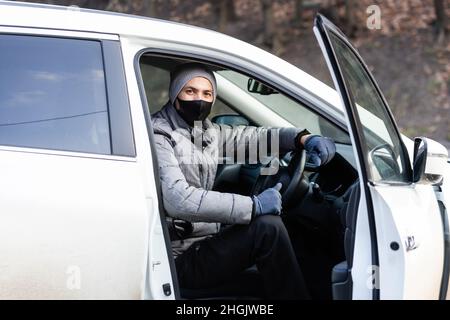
x: 194, y: 110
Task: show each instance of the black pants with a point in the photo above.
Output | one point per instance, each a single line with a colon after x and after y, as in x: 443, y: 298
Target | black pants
x: 264, y: 242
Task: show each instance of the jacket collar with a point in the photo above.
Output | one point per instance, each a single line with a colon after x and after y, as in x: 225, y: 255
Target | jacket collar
x: 177, y: 122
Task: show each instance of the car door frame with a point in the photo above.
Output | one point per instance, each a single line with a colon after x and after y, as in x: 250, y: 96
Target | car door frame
x: 208, y: 56
x: 356, y: 131
x: 321, y: 27
x: 130, y: 208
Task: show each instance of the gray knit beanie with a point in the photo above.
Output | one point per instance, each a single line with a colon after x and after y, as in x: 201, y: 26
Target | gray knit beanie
x: 182, y: 74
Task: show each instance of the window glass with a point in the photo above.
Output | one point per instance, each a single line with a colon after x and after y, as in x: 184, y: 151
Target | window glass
x: 220, y: 108
x: 382, y: 143
x: 289, y: 109
x: 53, y: 94
x: 156, y: 84
x: 157, y: 80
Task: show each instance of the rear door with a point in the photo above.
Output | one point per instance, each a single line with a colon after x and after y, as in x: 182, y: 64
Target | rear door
x: 74, y: 219
x: 405, y: 220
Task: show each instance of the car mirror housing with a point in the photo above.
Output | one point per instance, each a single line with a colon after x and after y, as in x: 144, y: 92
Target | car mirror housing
x: 258, y: 87
x: 429, y: 162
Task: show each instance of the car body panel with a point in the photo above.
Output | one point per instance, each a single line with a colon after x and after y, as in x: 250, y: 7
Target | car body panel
x: 410, y: 217
x: 62, y: 229
x: 152, y: 270
x: 444, y: 195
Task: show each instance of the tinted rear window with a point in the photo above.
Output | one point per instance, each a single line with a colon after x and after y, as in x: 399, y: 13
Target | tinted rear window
x: 52, y: 94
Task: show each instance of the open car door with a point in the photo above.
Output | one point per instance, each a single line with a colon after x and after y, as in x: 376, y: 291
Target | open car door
x: 405, y: 222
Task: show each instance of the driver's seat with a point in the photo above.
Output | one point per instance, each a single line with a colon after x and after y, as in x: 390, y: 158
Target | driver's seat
x: 342, y: 284
x: 247, y: 285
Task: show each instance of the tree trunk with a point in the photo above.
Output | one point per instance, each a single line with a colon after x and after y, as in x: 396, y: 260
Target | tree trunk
x: 350, y: 17
x: 94, y: 4
x: 164, y: 9
x: 441, y: 19
x: 226, y: 14
x: 223, y: 15
x: 298, y: 13
x: 267, y: 23
x: 150, y: 8
x: 108, y: 7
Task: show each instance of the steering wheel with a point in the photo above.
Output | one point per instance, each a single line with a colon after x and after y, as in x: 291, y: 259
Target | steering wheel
x: 295, y: 185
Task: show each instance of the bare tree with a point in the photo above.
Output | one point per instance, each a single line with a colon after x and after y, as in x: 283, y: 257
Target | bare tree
x: 95, y: 4
x: 226, y: 13
x: 350, y: 17
x: 441, y: 19
x: 298, y: 13
x: 149, y: 8
x: 268, y: 23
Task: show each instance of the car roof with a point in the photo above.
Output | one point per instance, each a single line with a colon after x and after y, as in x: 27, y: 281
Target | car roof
x: 25, y: 14
x: 34, y: 15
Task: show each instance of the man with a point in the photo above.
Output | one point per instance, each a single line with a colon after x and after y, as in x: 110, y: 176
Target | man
x: 204, y: 255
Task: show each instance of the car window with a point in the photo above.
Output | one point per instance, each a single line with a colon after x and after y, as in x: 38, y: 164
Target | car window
x: 156, y: 83
x: 289, y: 109
x: 157, y: 79
x: 220, y: 108
x: 52, y: 94
x: 386, y: 160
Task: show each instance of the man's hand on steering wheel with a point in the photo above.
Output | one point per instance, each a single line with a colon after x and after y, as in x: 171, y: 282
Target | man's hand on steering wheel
x: 320, y: 150
x: 317, y: 150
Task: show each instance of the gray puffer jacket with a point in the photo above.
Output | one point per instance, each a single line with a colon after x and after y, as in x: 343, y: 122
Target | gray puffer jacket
x: 188, y: 170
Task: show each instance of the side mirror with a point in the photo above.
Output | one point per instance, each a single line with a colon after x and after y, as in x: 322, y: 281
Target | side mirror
x: 384, y: 162
x: 430, y: 161
x: 257, y: 87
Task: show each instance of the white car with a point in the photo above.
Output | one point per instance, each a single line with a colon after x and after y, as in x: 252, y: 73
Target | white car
x: 81, y: 215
